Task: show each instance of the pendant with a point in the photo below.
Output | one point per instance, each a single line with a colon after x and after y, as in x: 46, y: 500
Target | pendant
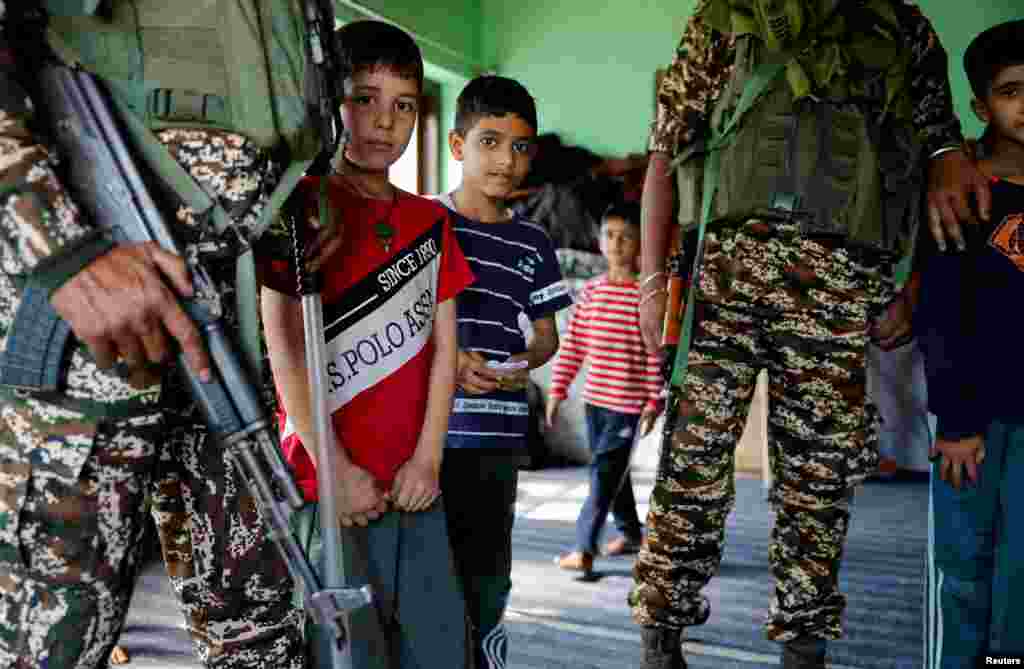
x: 385, y: 233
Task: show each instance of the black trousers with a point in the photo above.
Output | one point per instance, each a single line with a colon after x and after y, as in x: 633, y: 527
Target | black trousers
x: 479, y: 491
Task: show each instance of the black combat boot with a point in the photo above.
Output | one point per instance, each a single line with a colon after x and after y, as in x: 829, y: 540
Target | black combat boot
x: 662, y: 648
x: 804, y: 653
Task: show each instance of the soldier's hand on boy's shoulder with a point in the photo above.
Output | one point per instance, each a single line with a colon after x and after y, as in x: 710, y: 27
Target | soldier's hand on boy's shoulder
x: 416, y: 484
x: 958, y: 455
x: 359, y: 499
x: 953, y: 178
x: 123, y: 304
x: 473, y: 375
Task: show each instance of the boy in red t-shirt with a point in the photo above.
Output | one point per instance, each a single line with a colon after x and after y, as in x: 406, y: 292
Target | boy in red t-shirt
x: 389, y: 326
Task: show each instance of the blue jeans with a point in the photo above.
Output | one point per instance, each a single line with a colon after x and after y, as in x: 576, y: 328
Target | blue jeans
x: 610, y: 437
x: 978, y: 549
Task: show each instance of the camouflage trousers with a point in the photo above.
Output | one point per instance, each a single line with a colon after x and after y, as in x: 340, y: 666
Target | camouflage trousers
x: 76, y: 468
x: 74, y: 474
x: 770, y: 299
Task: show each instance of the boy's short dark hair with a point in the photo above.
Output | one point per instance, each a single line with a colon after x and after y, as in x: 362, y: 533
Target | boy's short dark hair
x: 994, y: 49
x: 627, y: 211
x: 367, y: 45
x: 491, y: 95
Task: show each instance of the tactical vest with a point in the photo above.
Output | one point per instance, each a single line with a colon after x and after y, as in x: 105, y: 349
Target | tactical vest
x: 234, y: 65
x: 827, y: 145
x: 238, y: 65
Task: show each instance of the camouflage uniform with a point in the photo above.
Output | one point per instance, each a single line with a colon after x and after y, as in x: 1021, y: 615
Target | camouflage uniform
x: 771, y: 298
x: 77, y: 465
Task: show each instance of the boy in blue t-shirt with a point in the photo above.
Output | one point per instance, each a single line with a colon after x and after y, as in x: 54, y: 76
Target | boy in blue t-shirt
x: 970, y: 324
x: 517, y: 274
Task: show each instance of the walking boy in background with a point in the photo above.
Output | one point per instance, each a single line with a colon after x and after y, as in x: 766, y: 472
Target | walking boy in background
x: 969, y: 325
x: 390, y: 333
x: 517, y: 274
x: 621, y: 390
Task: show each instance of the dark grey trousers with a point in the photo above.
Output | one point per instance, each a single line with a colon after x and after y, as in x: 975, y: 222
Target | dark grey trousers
x: 418, y: 620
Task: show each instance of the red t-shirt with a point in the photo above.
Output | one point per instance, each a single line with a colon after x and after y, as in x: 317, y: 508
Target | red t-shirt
x: 378, y: 317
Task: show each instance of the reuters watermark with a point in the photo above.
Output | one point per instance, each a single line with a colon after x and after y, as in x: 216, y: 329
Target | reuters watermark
x: 1003, y: 660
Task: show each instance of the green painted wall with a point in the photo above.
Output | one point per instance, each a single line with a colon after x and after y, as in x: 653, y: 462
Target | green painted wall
x: 591, y: 64
x: 448, y: 31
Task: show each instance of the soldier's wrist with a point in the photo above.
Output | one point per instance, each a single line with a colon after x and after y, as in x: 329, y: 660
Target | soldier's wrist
x: 53, y: 272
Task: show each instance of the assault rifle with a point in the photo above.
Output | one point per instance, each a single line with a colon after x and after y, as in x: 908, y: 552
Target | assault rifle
x: 107, y: 182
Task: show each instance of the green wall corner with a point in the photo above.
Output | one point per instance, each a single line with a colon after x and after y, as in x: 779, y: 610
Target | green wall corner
x: 591, y: 65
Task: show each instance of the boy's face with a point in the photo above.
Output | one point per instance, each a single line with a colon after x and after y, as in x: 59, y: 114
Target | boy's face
x: 495, y: 153
x: 1003, y: 108
x: 379, y: 113
x: 620, y: 243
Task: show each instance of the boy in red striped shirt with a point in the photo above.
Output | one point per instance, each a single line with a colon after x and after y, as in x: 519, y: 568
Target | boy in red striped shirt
x: 621, y: 390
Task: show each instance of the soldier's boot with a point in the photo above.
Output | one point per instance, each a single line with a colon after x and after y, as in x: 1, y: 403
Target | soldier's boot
x: 662, y: 648
x: 804, y: 653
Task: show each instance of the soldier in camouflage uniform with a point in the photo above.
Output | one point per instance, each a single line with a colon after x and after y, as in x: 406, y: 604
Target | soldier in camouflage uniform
x: 770, y: 295
x: 76, y: 465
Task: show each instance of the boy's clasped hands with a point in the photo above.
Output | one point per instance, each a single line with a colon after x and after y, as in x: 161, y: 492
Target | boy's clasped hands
x: 360, y: 499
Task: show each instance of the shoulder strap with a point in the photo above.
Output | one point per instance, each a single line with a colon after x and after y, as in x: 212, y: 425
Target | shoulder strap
x: 169, y: 171
x: 760, y: 79
x: 323, y: 202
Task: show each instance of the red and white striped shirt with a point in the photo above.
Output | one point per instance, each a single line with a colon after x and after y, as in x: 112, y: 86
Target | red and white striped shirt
x: 605, y: 329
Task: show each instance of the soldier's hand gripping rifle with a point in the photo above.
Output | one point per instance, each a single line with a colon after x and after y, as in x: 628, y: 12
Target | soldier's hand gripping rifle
x: 108, y: 184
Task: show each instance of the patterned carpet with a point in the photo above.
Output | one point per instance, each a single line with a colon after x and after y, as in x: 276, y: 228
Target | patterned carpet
x: 558, y: 621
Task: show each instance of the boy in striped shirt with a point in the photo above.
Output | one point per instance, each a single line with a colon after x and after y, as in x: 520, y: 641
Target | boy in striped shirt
x: 621, y: 389
x: 517, y: 277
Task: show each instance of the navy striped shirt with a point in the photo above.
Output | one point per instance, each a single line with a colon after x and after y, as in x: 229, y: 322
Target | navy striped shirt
x: 517, y: 274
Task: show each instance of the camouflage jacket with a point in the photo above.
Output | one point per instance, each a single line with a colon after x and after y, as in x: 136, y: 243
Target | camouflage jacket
x: 703, y: 64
